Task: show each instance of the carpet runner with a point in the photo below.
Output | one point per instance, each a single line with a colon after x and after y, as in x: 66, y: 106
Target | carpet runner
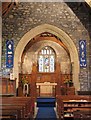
x: 46, y: 109
x: 46, y: 102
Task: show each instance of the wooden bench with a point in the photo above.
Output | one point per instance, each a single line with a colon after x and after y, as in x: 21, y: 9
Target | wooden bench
x: 11, y: 111
x: 67, y: 104
x: 19, y: 107
x: 82, y: 114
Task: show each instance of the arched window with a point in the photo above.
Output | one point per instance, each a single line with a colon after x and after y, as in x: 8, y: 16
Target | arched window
x: 46, y: 60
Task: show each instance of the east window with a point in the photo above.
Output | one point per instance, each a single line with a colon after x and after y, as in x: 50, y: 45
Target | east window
x: 46, y: 60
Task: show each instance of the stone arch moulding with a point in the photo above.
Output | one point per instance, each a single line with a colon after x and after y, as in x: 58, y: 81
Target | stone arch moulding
x: 57, y: 32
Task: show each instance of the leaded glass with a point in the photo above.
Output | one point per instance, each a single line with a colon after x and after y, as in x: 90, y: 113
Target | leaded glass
x: 46, y: 60
x: 51, y: 63
x: 40, y: 63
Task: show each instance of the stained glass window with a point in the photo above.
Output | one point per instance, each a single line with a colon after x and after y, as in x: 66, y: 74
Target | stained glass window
x: 46, y: 60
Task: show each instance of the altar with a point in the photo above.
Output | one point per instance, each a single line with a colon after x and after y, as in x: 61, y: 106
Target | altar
x: 46, y: 89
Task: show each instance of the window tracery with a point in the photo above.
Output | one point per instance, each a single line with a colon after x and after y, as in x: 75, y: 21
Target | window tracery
x: 46, y: 60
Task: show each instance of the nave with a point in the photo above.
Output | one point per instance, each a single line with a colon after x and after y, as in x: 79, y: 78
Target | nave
x: 46, y: 108
x: 63, y: 107
x: 45, y: 54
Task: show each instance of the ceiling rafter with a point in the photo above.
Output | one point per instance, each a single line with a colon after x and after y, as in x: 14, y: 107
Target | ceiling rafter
x: 7, y: 6
x: 88, y: 2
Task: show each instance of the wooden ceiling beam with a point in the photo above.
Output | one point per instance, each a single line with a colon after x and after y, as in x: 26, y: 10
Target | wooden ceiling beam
x: 7, y: 6
x: 88, y: 2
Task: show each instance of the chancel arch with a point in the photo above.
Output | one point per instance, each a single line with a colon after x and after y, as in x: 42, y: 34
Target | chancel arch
x: 63, y: 37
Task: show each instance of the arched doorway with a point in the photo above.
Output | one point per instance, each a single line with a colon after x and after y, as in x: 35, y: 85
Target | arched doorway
x: 60, y: 34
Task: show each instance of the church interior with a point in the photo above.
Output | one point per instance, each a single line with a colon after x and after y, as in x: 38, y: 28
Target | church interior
x: 45, y: 60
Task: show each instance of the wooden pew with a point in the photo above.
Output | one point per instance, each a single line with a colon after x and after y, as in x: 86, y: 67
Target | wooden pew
x: 12, y: 111
x: 82, y: 115
x: 22, y: 107
x: 67, y: 104
x: 22, y: 102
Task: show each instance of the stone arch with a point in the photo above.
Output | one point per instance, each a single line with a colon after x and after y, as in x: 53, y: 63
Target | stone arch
x: 57, y: 32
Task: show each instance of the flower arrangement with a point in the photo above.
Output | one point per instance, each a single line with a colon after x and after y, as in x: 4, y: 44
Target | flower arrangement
x: 68, y: 82
x: 24, y: 80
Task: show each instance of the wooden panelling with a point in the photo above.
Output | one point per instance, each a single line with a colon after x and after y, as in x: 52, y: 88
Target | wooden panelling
x: 8, y: 86
x: 35, y: 77
x: 25, y: 77
x: 46, y: 77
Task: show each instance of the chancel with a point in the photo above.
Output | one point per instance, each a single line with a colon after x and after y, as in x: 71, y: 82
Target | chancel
x: 45, y: 66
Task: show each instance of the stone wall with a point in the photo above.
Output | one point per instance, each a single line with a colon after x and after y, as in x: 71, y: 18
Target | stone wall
x: 26, y: 16
x: 31, y: 56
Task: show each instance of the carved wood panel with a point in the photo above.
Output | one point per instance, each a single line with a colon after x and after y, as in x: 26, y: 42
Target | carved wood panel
x: 8, y: 86
x: 45, y: 77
